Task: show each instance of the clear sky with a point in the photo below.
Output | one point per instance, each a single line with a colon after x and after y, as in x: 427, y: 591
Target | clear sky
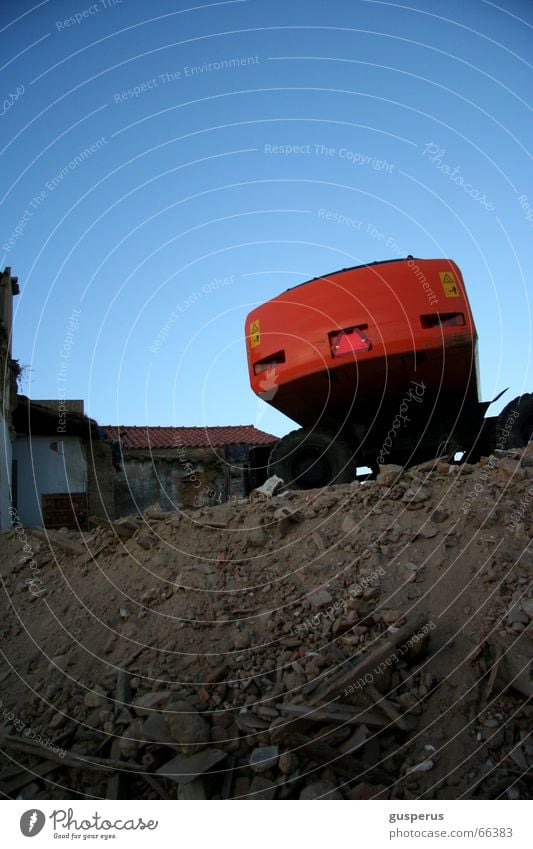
x: 169, y: 165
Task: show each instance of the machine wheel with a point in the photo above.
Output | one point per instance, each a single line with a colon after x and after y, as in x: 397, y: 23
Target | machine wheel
x: 308, y: 459
x: 514, y: 425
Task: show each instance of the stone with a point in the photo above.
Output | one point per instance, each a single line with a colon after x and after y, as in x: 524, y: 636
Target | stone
x: 257, y: 537
x: 93, y: 700
x: 58, y: 663
x: 416, y: 496
x: 288, y: 762
x: 320, y: 790
x: 516, y: 614
x: 264, y: 758
x: 262, y: 788
x: 197, y: 576
x: 319, y: 598
x: 128, y: 748
x: 389, y: 474
x: 185, y: 768
x: 144, y: 705
x: 508, y: 469
x: 241, y: 788
x: 144, y: 539
x: 270, y: 486
x: 390, y: 616
x: 365, y: 791
x: 155, y: 728
x: 424, y: 766
x: 349, y: 523
x: 242, y: 638
x: 187, y: 728
x: 527, y: 607
x: 286, y: 513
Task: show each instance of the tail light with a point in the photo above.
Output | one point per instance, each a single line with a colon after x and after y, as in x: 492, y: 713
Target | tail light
x: 351, y: 340
x: 445, y: 319
x: 269, y: 362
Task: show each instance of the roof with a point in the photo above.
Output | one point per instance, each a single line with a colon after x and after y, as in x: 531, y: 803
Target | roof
x: 150, y: 438
x: 46, y: 418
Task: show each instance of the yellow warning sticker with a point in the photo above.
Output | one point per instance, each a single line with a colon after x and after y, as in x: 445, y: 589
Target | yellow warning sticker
x: 255, y: 334
x: 451, y: 289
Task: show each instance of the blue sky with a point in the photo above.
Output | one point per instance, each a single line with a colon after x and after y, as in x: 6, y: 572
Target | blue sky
x: 167, y: 166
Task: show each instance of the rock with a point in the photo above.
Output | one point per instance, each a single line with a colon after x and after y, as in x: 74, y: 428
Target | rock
x: 320, y: 790
x: 224, y: 718
x: 128, y: 748
x: 188, y: 729
x: 270, y: 486
x: 426, y: 532
x: 416, y: 496
x: 264, y: 758
x: 288, y: 762
x: 389, y: 474
x: 257, y: 537
x: 197, y: 576
x: 241, y: 787
x: 368, y: 791
x: 294, y: 680
x: 508, y: 469
x: 159, y: 561
x: 155, y: 728
x: 349, y: 524
x: 145, y: 540
x: 144, y: 705
x: 266, y: 712
x: 185, y: 768
x: 241, y: 638
x: 485, y: 517
x: 390, y: 616
x: 284, y: 512
x: 527, y: 607
x: 262, y: 788
x: 517, y: 614
x: 93, y: 699
x: 355, y: 741
x: 424, y: 766
x: 319, y: 598
x: 58, y: 663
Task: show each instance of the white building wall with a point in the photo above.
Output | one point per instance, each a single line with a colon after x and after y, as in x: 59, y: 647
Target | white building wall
x: 47, y: 465
x: 6, y: 456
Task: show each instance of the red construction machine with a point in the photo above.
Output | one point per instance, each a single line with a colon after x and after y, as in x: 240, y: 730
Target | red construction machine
x: 377, y: 364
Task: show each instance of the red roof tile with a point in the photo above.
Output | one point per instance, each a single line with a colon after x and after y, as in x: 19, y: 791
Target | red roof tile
x: 150, y: 438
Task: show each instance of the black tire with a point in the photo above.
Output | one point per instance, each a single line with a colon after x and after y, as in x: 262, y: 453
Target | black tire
x: 514, y: 425
x: 309, y: 459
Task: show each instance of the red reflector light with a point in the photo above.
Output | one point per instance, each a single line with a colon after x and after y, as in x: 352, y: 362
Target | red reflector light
x: 349, y: 341
x: 269, y: 362
x: 447, y: 319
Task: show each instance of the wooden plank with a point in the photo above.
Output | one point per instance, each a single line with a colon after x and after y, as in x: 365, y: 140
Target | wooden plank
x: 117, y: 782
x: 338, y: 713
x: 369, y: 662
x: 388, y: 709
x: 70, y: 759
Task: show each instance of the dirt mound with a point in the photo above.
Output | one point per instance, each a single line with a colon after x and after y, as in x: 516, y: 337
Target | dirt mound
x: 369, y: 640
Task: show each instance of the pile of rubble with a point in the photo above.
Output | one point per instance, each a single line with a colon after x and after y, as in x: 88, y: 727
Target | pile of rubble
x: 369, y: 640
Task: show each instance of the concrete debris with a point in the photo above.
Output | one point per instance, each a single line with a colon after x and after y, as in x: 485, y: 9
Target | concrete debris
x: 297, y: 645
x: 270, y: 486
